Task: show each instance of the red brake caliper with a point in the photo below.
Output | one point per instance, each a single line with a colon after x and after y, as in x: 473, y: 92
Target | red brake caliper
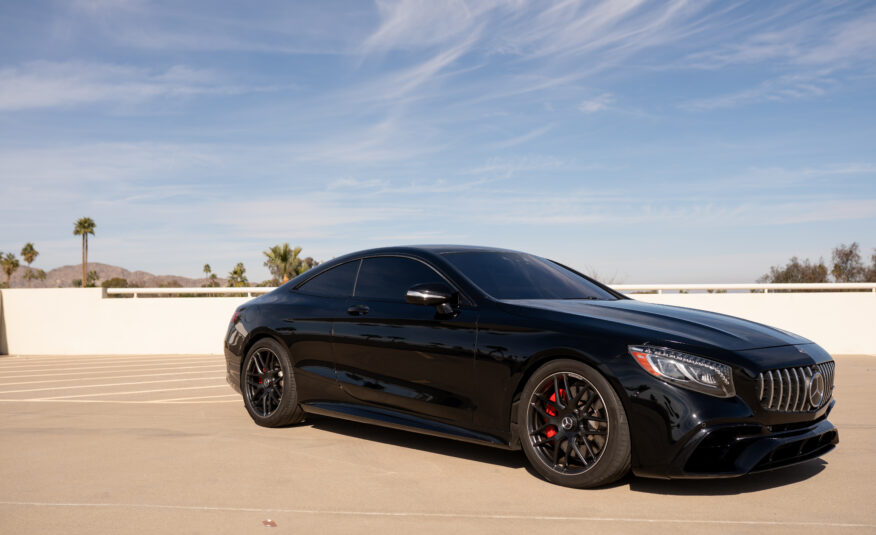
x: 551, y: 430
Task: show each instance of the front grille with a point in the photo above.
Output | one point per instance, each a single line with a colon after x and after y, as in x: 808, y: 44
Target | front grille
x: 788, y: 389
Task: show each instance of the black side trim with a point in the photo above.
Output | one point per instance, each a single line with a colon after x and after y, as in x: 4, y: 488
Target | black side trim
x: 396, y: 420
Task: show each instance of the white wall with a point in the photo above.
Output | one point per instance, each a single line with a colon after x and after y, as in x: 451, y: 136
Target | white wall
x: 74, y: 321
x: 840, y: 322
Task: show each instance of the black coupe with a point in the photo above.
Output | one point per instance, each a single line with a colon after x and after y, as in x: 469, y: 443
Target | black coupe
x: 512, y: 350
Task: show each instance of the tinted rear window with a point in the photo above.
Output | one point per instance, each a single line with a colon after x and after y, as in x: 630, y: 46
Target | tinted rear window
x: 523, y: 276
x: 336, y: 282
x: 389, y: 277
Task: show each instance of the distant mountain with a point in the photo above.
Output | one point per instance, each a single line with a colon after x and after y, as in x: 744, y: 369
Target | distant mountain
x: 63, y: 276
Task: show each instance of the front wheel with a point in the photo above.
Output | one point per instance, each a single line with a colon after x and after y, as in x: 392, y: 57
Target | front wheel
x: 268, y: 385
x: 573, y: 428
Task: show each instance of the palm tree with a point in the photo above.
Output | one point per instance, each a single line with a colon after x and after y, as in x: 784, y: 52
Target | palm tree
x: 83, y: 227
x: 283, y: 261
x: 237, y: 276
x: 9, y: 264
x: 209, y: 275
x: 35, y: 274
x: 29, y: 254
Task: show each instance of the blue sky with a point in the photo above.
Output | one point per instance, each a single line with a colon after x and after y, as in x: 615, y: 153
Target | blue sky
x: 647, y: 141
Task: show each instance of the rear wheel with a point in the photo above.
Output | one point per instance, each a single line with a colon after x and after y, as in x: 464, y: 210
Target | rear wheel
x: 268, y: 385
x: 573, y: 427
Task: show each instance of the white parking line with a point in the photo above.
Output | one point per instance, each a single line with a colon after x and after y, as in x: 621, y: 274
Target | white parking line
x: 113, y: 377
x: 116, y: 363
x: 132, y: 392
x: 474, y: 516
x: 120, y: 401
x: 174, y: 400
x: 117, y: 367
x: 90, y: 358
x: 189, y: 367
x: 112, y: 384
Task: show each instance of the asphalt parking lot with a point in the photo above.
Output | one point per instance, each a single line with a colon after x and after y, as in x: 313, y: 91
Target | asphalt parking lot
x: 160, y: 444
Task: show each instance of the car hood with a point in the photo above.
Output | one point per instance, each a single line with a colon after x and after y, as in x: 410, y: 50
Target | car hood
x: 685, y: 325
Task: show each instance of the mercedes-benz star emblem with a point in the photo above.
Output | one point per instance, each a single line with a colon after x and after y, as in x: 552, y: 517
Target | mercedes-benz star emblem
x: 567, y: 422
x: 816, y: 389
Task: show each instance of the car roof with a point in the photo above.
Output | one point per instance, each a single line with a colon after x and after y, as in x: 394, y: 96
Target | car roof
x: 431, y: 248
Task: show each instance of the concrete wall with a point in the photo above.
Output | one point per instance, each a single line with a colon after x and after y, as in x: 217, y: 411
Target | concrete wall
x: 841, y: 322
x: 75, y: 321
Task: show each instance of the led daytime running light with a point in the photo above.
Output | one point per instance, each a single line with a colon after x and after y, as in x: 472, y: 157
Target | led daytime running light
x: 688, y: 371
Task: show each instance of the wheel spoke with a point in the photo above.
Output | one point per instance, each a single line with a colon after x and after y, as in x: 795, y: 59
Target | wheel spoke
x: 568, y: 390
x: 589, y: 449
x: 543, y: 412
x: 589, y: 402
x: 556, y: 451
x: 540, y: 429
x: 568, y: 452
x: 578, y: 452
x: 541, y: 441
x: 557, y: 394
x: 578, y: 396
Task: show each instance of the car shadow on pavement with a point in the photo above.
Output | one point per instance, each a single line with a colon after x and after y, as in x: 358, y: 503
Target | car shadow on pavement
x: 516, y: 460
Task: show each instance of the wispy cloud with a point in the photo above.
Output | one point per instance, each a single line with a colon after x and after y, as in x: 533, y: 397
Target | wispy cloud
x: 44, y: 84
x: 783, y: 88
x: 597, y: 103
x: 523, y: 138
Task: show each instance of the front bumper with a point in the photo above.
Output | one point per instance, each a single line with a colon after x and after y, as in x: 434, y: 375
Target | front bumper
x: 730, y: 450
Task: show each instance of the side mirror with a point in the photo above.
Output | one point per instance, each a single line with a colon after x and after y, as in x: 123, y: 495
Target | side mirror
x: 430, y: 294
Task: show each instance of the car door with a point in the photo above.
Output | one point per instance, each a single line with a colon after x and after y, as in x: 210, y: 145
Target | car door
x: 306, y: 319
x: 405, y: 357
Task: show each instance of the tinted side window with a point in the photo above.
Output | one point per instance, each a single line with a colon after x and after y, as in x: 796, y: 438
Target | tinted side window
x: 389, y: 277
x: 336, y: 282
x: 509, y: 275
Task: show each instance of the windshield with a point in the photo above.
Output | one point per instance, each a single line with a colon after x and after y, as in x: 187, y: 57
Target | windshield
x: 522, y: 276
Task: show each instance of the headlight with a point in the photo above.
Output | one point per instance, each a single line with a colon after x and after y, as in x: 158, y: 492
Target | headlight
x: 688, y: 371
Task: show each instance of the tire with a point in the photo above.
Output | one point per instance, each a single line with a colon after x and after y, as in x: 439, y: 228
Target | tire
x: 583, y: 440
x: 268, y: 385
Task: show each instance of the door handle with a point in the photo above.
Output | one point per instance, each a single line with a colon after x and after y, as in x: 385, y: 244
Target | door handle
x: 358, y: 310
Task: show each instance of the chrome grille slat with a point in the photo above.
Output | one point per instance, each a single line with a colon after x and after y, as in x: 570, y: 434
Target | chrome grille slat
x: 807, y: 375
x: 787, y: 389
x: 796, y: 389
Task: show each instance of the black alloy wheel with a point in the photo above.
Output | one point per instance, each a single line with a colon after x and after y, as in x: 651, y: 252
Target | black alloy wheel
x: 269, y: 386
x: 264, y: 382
x: 572, y: 426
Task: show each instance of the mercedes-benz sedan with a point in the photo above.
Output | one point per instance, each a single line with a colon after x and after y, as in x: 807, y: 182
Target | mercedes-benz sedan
x: 511, y: 350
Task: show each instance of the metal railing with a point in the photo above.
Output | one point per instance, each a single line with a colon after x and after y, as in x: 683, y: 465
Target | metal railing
x: 624, y: 288
x: 753, y: 287
x: 167, y: 292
